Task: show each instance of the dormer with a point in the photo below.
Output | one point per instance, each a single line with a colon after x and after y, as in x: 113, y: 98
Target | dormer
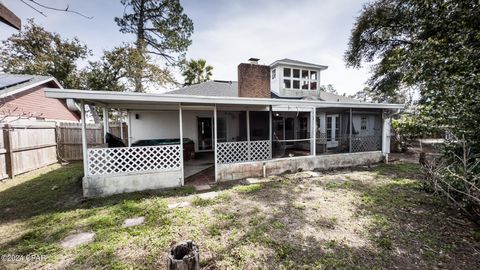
x: 292, y: 78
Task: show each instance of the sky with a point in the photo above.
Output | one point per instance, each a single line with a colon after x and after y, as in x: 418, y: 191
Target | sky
x: 227, y: 32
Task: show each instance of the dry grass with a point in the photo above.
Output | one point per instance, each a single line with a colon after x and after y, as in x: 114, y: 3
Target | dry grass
x: 365, y: 218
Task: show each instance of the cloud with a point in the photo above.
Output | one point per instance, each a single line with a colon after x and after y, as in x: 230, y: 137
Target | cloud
x: 229, y: 32
x: 312, y: 31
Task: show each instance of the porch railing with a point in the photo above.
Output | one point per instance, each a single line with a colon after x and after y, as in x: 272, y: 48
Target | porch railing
x: 244, y: 151
x: 104, y: 161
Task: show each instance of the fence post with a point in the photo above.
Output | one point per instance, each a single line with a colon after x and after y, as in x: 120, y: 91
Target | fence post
x: 7, y: 141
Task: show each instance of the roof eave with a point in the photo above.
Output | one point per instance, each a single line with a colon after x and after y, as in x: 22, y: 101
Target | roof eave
x: 32, y: 85
x: 319, y: 67
x: 105, y: 97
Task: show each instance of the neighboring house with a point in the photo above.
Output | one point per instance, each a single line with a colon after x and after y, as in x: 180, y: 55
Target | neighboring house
x: 274, y: 119
x: 22, y: 98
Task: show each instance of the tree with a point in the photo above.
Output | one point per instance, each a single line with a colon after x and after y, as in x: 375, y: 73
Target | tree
x: 161, y: 29
x: 433, y: 46
x: 329, y: 89
x: 37, y: 51
x: 196, y: 71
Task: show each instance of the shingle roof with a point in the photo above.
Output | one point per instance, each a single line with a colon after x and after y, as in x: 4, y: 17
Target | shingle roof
x: 230, y: 89
x: 29, y: 80
x: 210, y: 88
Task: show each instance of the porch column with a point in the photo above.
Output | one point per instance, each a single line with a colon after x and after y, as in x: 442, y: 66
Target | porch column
x: 84, y: 138
x: 270, y: 129
x: 386, y: 136
x: 313, y: 132
x: 180, y: 122
x: 215, y: 139
x: 106, y: 127
x: 249, y: 153
x: 350, y: 135
x: 129, y: 129
x: 121, y: 124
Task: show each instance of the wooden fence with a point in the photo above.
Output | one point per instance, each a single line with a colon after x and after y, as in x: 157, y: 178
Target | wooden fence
x: 25, y: 147
x: 69, y: 138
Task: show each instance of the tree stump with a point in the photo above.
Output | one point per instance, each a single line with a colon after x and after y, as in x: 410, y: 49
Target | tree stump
x: 184, y: 256
x: 422, y: 159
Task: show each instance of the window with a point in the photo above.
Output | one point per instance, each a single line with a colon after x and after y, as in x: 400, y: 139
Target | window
x: 274, y: 73
x: 363, y: 122
x: 329, y: 128
x: 304, y: 74
x: 296, y: 73
x: 313, y: 75
x: 296, y: 84
x: 287, y: 84
x: 313, y: 86
x: 305, y: 85
x: 287, y: 72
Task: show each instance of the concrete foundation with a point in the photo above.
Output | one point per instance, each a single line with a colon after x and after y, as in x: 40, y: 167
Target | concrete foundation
x: 237, y: 171
x: 104, y: 185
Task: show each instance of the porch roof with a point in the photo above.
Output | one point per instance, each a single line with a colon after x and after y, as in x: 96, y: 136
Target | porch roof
x: 125, y: 99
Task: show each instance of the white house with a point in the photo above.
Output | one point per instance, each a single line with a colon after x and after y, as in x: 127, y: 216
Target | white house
x: 274, y: 119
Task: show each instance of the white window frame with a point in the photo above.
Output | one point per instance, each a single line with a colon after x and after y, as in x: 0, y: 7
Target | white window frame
x: 363, y: 120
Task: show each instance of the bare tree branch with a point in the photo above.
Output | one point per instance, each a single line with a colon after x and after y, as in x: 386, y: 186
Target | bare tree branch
x: 67, y: 9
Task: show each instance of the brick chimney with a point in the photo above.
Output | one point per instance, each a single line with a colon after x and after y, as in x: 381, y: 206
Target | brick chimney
x: 253, y: 80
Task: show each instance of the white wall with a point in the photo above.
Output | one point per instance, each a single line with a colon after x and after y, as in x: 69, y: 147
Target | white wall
x: 164, y: 125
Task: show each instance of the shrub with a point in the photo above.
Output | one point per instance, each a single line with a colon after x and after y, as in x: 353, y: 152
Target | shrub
x: 456, y: 177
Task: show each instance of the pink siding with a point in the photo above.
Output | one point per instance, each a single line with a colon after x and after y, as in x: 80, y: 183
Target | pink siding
x: 33, y: 101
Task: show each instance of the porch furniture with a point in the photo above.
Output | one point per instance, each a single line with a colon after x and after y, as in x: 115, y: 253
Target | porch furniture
x: 113, y: 141
x: 188, y: 145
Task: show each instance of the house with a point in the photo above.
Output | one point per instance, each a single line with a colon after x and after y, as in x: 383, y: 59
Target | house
x: 274, y: 119
x: 22, y: 98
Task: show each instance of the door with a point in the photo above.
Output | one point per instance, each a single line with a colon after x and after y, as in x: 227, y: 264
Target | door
x: 333, y: 130
x: 289, y: 130
x: 205, y: 132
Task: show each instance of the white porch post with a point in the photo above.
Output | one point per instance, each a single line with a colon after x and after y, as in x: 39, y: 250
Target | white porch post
x: 313, y: 131
x: 386, y: 136
x: 106, y: 127
x: 215, y: 139
x: 350, y: 135
x: 180, y: 122
x: 84, y: 139
x: 121, y: 124
x: 129, y: 128
x: 270, y: 130
x: 249, y: 153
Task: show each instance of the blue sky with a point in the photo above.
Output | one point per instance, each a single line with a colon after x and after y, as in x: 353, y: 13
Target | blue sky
x: 228, y: 32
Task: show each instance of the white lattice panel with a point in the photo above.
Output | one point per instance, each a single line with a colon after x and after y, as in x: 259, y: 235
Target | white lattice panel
x: 366, y: 143
x: 103, y: 161
x: 235, y: 152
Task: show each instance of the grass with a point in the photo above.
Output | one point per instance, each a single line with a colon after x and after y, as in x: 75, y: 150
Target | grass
x: 373, y: 218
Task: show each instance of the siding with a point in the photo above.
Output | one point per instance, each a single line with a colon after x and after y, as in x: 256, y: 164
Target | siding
x: 33, y: 101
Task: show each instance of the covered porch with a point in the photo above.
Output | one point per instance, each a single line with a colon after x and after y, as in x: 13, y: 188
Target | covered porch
x: 172, y: 138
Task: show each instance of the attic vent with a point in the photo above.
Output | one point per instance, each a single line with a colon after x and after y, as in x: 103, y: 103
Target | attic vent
x: 253, y: 60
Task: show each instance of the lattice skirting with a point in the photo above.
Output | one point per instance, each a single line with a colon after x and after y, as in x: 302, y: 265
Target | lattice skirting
x: 102, y: 161
x: 366, y: 143
x: 235, y: 152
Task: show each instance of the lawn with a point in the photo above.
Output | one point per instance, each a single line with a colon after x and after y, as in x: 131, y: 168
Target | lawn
x: 378, y: 217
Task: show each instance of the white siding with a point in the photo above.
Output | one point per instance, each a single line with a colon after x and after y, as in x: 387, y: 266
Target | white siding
x: 164, y: 125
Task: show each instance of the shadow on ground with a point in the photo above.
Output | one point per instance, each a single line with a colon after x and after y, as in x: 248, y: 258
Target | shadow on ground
x: 61, y: 190
x: 366, y: 217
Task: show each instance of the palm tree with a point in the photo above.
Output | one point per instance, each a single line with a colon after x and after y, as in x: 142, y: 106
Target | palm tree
x: 196, y: 71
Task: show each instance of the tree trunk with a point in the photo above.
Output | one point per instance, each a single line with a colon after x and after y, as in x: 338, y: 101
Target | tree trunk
x: 184, y: 256
x: 93, y: 111
x: 140, y: 45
